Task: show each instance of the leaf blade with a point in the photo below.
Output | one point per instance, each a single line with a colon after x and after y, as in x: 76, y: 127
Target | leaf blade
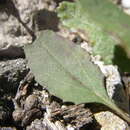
x: 66, y: 54
x: 106, y: 25
x: 66, y: 70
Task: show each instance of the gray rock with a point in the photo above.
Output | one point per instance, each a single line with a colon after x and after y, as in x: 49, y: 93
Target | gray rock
x: 17, y: 20
x: 11, y: 73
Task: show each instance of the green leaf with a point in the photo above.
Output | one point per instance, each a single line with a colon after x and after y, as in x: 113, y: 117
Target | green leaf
x: 105, y: 24
x: 67, y: 71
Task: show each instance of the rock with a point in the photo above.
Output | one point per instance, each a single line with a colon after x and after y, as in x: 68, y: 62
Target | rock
x: 18, y: 115
x: 8, y: 128
x: 125, y: 3
x: 109, y: 121
x: 30, y: 116
x: 75, y: 117
x: 39, y: 125
x: 11, y: 73
x: 31, y: 102
x: 17, y: 20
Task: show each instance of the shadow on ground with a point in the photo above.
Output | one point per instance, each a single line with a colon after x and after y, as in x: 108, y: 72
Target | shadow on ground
x: 45, y: 19
x: 121, y: 59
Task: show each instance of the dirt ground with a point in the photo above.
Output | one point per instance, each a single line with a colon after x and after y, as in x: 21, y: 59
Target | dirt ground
x: 24, y: 103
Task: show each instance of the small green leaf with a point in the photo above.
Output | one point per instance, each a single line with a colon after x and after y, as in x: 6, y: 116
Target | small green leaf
x: 105, y: 24
x: 67, y: 71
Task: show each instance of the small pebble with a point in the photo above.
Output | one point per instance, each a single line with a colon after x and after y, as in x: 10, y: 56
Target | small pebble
x: 31, y: 102
x: 18, y: 114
